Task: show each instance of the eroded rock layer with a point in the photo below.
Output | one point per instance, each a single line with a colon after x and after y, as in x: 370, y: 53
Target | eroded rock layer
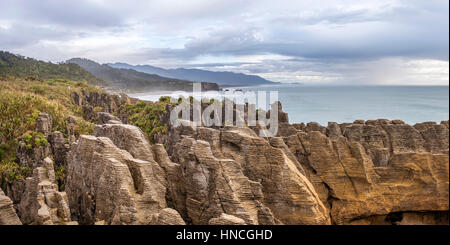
x: 8, y: 214
x: 376, y: 168
x: 233, y: 171
x: 365, y: 172
x: 114, y: 179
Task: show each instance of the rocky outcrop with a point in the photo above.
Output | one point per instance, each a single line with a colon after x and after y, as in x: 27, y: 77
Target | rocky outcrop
x: 224, y: 172
x: 114, y: 179
x: 99, y: 184
x: 30, y: 154
x: 37, y: 198
x: 362, y: 171
x: 70, y: 129
x: 8, y: 214
x: 365, y: 172
x: 405, y: 218
x: 44, y: 123
x: 226, y: 219
x: 42, y: 203
x: 216, y: 185
x: 91, y: 100
x: 132, y: 139
x: 105, y: 117
x: 376, y: 168
x: 167, y: 216
x: 59, y: 147
x: 206, y: 182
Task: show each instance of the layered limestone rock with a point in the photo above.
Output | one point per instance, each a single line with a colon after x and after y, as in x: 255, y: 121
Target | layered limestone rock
x: 226, y: 219
x: 362, y: 172
x: 90, y: 100
x: 99, y: 182
x: 44, y: 123
x: 405, y: 218
x: 34, y: 155
x: 217, y: 185
x: 233, y: 171
x: 287, y: 192
x: 176, y: 191
x: 150, y: 175
x: 70, y: 129
x: 167, y: 216
x: 376, y: 168
x: 59, y: 147
x: 365, y: 172
x: 113, y: 179
x: 42, y: 203
x: 8, y: 214
x: 104, y: 117
x: 37, y: 198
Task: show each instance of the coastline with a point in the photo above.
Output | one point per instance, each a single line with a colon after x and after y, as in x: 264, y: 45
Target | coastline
x: 341, y: 104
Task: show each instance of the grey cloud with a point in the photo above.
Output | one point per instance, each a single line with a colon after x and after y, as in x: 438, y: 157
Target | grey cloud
x: 333, y: 39
x: 383, y: 71
x: 416, y: 33
x: 19, y: 35
x: 406, y: 31
x: 69, y: 14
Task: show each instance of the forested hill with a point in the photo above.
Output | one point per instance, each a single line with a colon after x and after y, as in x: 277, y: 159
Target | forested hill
x: 16, y: 66
x: 222, y: 78
x: 136, y: 81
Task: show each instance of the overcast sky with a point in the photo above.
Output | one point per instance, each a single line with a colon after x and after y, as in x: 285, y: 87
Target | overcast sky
x: 331, y: 42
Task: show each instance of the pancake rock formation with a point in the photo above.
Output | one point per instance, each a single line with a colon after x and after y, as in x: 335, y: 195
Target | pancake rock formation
x: 366, y: 172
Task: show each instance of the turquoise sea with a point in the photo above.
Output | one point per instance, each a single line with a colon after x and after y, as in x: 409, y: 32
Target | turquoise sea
x: 340, y: 104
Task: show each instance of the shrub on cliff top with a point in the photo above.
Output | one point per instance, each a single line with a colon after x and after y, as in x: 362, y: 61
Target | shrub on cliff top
x: 147, y: 116
x: 21, y: 102
x: 10, y: 171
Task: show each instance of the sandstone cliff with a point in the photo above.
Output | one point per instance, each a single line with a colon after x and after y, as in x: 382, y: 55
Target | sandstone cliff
x: 8, y: 215
x: 368, y: 171
x: 365, y: 172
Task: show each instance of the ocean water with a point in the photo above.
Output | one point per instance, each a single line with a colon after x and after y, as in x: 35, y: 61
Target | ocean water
x: 340, y: 104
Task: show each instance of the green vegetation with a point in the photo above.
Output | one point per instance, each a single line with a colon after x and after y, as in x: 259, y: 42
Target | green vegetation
x: 34, y: 139
x: 60, y: 174
x: 147, y: 116
x: 10, y: 171
x: 20, y: 104
x: 15, y: 66
x: 132, y: 80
